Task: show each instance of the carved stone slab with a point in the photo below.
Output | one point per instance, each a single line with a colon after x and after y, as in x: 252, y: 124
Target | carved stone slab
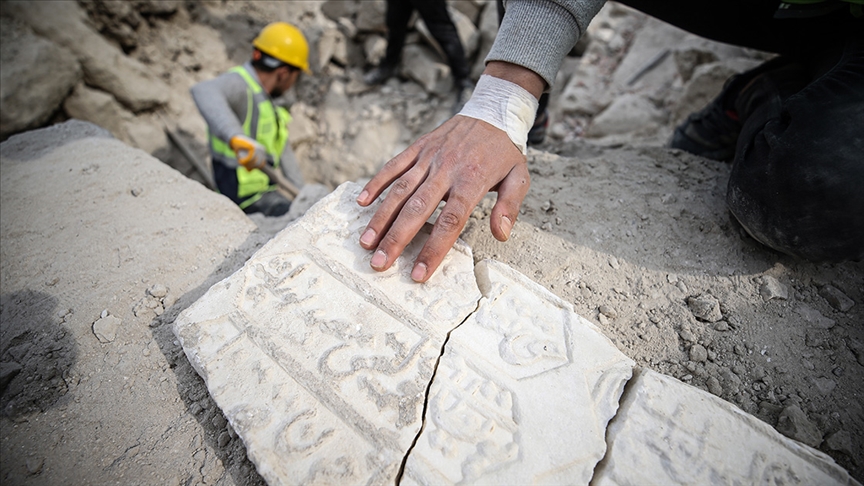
x: 522, y: 394
x: 320, y: 364
x: 668, y: 432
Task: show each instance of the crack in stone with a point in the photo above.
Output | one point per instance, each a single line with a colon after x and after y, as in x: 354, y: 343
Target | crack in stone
x: 624, y: 391
x: 426, y: 396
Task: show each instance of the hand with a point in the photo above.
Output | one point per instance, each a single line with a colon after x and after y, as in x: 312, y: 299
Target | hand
x: 250, y: 153
x: 459, y: 162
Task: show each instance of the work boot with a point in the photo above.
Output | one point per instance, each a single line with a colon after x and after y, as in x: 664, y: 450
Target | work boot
x: 379, y: 74
x: 464, y: 90
x: 538, y: 132
x: 713, y: 131
x: 270, y: 204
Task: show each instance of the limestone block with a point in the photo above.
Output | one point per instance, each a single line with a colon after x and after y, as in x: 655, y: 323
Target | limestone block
x: 523, y: 392
x: 37, y: 74
x: 105, y: 65
x: 629, y: 113
x: 422, y: 65
x: 667, y: 432
x: 319, y: 363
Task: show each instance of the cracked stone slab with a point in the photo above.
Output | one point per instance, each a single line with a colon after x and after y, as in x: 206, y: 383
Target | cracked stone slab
x: 320, y: 364
x: 667, y: 432
x: 522, y: 394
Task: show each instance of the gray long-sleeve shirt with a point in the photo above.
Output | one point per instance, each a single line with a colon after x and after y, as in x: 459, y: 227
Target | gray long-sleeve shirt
x: 538, y: 34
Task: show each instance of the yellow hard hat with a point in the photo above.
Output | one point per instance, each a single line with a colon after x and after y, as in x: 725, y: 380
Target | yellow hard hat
x: 284, y: 42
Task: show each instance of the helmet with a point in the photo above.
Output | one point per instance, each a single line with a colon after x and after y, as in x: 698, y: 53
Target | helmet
x: 284, y: 42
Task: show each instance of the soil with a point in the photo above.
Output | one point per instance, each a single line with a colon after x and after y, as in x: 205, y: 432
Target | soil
x: 636, y: 236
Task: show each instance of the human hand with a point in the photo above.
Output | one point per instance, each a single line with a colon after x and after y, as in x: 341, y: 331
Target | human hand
x: 250, y: 153
x: 459, y: 163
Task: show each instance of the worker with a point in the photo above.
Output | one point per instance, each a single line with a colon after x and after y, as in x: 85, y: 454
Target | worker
x: 246, y: 129
x: 434, y: 13
x: 793, y: 126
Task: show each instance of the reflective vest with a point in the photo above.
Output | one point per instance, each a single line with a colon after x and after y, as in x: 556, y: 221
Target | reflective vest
x: 266, y: 123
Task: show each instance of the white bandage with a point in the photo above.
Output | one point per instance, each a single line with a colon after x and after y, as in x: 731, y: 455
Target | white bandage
x: 504, y: 105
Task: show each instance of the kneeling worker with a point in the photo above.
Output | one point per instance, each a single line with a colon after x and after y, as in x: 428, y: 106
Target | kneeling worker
x: 246, y: 129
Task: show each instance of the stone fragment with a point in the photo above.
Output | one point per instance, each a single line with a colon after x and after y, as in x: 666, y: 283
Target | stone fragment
x: 629, y: 113
x: 823, y: 385
x: 105, y: 328
x: 836, y: 298
x: 371, y: 16
x: 840, y: 441
x: 714, y: 386
x: 158, y: 290
x: 37, y: 74
x: 421, y: 64
x: 771, y: 288
x: 522, y: 394
x: 793, y: 423
x: 104, y: 65
x: 815, y: 318
x: 375, y: 48
x: 337, y: 357
x: 705, y: 308
x: 608, y: 311
x: 698, y: 353
x: 667, y: 432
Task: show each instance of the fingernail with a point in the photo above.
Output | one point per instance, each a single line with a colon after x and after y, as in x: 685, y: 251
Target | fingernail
x: 379, y: 259
x: 363, y: 196
x: 368, y: 237
x: 506, y: 225
x: 419, y: 272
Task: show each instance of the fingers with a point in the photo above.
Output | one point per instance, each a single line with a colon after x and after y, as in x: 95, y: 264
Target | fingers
x: 393, y: 169
x: 446, y: 231
x: 401, y: 199
x: 511, y: 193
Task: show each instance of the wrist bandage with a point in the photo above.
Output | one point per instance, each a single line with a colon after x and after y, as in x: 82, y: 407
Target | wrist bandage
x: 504, y: 105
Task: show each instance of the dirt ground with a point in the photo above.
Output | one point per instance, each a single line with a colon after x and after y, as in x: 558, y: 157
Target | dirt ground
x: 635, y: 235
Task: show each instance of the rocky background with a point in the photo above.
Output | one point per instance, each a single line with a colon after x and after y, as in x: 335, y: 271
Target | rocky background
x: 634, y: 235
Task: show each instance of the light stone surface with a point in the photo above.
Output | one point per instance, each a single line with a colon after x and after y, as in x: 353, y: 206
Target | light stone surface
x: 667, y: 432
x: 522, y: 394
x: 321, y: 364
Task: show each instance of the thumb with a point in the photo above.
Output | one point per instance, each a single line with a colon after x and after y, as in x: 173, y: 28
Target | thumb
x: 511, y: 192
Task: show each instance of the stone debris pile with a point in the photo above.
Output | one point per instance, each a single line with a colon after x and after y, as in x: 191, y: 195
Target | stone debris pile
x: 334, y: 374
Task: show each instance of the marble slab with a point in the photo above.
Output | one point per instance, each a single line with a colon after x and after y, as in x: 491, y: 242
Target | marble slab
x: 668, y: 432
x: 320, y: 364
x: 522, y: 394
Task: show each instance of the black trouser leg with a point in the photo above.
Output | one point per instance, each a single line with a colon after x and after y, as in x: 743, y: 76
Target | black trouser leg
x: 442, y: 28
x: 398, y: 14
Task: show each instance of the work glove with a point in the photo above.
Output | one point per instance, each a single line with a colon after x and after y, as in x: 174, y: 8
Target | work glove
x: 250, y: 153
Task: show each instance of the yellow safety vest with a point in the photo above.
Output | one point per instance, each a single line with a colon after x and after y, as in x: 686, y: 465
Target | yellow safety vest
x: 266, y: 123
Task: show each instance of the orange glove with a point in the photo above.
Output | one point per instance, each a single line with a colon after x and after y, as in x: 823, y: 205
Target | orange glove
x: 250, y: 153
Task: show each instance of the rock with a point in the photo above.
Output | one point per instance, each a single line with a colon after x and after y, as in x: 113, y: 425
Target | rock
x: 158, y: 290
x: 689, y: 58
x: 35, y: 465
x: 706, y: 83
x: 105, y: 328
x: 815, y: 318
x: 705, y: 308
x: 104, y: 65
x: 8, y: 371
x: 698, y: 353
x: 100, y: 108
x: 37, y: 75
x: 629, y: 113
x: 375, y: 48
x: 836, y: 298
x: 422, y: 65
x: 714, y: 387
x: 857, y: 349
x: 336, y: 9
x: 332, y: 45
x: 584, y: 93
x: 721, y: 326
x: 772, y: 289
x: 224, y: 439
x: 309, y: 194
x: 608, y: 311
x: 840, y: 441
x: 793, y: 423
x: 371, y: 16
x: 823, y: 385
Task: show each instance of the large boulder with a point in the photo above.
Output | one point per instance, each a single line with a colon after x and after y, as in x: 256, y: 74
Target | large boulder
x: 37, y: 74
x: 105, y: 65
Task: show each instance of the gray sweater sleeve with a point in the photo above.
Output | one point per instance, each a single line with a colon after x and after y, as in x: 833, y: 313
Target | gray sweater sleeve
x: 538, y: 34
x: 222, y: 102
